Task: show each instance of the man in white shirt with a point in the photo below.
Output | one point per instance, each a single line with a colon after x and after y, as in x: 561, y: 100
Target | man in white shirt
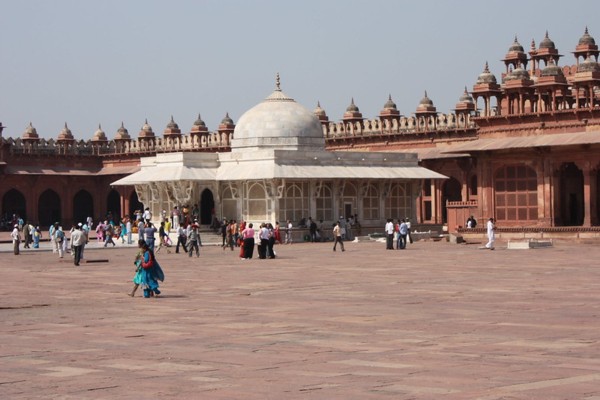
x: 77, y: 241
x: 491, y: 234
x: 288, y: 232
x: 16, y: 238
x: 389, y: 231
x: 264, y: 241
x: 147, y: 215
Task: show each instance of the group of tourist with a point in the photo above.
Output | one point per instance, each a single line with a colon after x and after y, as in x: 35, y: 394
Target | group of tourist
x: 398, y: 233
x: 245, y: 237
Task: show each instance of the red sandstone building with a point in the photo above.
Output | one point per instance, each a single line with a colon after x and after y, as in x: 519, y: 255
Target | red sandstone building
x: 523, y: 148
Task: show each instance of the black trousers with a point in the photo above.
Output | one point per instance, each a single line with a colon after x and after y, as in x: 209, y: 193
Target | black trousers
x: 270, y: 252
x: 262, y: 249
x: 338, y: 239
x: 77, y: 254
x: 194, y: 245
x: 248, y: 247
x: 181, y: 241
x: 390, y: 241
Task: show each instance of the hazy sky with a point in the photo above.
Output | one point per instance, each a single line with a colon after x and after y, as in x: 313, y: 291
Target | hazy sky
x: 87, y: 62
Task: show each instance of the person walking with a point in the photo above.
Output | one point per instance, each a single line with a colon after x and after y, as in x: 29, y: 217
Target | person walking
x: 129, y: 232
x: 402, y: 235
x: 175, y: 217
x: 224, y: 226
x: 60, y: 238
x: 109, y: 231
x: 27, y: 235
x: 151, y: 271
x: 194, y: 240
x: 149, y: 232
x: 288, y: 232
x: 141, y: 225
x: 37, y: 235
x: 163, y: 238
x: 51, y: 234
x: 77, y: 241
x: 181, y: 239
x: 337, y: 234
x: 491, y: 234
x: 16, y: 239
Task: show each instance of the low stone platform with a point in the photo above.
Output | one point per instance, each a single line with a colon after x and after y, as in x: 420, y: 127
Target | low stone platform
x: 528, y: 244
x: 434, y: 321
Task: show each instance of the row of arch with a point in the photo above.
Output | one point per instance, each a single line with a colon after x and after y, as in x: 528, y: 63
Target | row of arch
x: 50, y: 208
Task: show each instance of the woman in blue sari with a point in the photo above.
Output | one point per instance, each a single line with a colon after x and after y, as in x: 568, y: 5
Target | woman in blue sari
x: 149, y: 271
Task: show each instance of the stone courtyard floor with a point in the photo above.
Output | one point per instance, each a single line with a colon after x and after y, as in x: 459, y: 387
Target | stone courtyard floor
x: 431, y: 322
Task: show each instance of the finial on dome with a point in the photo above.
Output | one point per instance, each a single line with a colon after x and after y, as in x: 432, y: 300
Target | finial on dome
x: 426, y: 93
x: 486, y: 68
x: 99, y: 126
x: 546, y: 37
x: 516, y: 41
x: 318, y: 104
x: 277, y: 83
x: 532, y: 44
x: 146, y: 121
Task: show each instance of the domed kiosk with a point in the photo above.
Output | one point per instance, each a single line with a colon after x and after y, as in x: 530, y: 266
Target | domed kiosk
x: 278, y: 169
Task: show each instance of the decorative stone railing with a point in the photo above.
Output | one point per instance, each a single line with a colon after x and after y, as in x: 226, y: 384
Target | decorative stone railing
x: 221, y: 141
x: 217, y: 141
x: 399, y: 125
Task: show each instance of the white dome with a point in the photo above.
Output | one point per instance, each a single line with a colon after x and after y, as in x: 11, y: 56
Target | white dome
x: 278, y: 123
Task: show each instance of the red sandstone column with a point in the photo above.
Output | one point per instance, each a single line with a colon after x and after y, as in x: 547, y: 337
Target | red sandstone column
x: 587, y: 171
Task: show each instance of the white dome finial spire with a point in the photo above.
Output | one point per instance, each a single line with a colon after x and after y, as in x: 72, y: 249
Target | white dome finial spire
x: 277, y: 83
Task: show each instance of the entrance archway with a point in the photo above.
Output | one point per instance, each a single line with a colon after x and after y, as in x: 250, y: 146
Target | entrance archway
x: 207, y: 207
x: 113, y: 205
x: 450, y: 192
x: 13, y: 202
x: 83, y: 206
x: 571, y: 195
x: 49, y: 208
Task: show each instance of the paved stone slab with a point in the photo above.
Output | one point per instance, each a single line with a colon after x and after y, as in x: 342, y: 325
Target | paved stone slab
x: 434, y: 321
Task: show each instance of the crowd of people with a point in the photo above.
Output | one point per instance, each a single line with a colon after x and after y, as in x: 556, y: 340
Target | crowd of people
x: 148, y: 271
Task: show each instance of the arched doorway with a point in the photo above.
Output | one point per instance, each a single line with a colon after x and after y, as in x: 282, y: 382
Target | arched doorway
x: 113, y: 205
x: 134, y: 204
x: 83, y: 206
x: 13, y: 202
x: 571, y: 195
x: 450, y: 192
x: 207, y: 207
x: 49, y: 208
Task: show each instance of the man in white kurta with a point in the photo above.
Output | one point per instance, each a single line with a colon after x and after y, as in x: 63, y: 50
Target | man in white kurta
x: 491, y: 234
